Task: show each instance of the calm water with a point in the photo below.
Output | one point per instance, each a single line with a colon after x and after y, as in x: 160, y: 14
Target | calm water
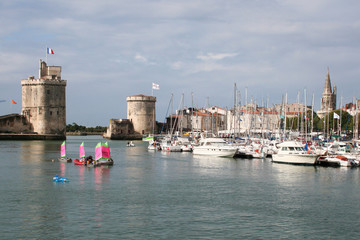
x: 155, y: 195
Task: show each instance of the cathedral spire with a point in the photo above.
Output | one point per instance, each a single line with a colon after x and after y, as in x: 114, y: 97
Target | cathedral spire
x: 327, y: 88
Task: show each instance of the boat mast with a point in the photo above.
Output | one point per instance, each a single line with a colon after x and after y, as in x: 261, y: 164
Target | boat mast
x: 262, y: 119
x: 246, y: 112
x: 233, y: 122
x: 305, y: 116
x: 171, y: 114
x: 238, y: 111
x: 285, y: 108
x: 340, y: 122
x: 181, y: 114
x: 192, y: 112
x: 298, y: 112
x: 356, y: 120
x: 328, y: 120
x: 312, y: 113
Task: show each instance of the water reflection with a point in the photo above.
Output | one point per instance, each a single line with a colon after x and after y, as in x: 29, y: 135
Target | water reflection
x: 38, y: 151
x: 63, y: 169
x: 289, y: 174
x: 81, y: 170
x: 102, y: 174
x: 211, y: 164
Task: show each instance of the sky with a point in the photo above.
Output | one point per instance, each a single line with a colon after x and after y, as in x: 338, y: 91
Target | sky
x: 112, y: 49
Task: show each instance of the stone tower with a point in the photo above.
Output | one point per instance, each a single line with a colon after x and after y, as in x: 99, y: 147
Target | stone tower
x: 328, y: 99
x: 141, y: 112
x: 43, y: 101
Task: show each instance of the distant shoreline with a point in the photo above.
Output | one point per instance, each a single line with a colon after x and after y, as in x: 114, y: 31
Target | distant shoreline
x: 24, y: 136
x: 83, y: 133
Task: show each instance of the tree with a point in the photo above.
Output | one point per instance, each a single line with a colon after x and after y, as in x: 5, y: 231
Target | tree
x: 329, y: 122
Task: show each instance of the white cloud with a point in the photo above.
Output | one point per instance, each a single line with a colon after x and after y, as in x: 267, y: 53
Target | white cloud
x: 140, y: 58
x: 219, y: 56
x: 177, y: 65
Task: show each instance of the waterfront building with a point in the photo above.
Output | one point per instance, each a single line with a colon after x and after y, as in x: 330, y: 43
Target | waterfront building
x: 250, y: 118
x: 292, y: 109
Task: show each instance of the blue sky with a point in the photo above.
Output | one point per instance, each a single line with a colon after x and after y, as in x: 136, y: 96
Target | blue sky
x: 112, y: 49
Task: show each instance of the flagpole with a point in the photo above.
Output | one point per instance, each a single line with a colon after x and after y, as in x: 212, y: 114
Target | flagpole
x: 46, y: 55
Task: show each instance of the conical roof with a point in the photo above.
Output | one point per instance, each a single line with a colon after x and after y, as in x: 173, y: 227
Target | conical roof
x: 327, y: 88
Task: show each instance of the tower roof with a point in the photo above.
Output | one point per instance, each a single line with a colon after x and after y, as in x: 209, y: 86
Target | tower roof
x: 327, y: 88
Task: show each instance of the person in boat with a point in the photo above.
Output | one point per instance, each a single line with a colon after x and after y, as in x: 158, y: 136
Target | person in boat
x: 89, y: 160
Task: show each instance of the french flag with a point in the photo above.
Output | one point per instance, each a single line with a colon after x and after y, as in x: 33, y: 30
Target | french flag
x: 50, y: 51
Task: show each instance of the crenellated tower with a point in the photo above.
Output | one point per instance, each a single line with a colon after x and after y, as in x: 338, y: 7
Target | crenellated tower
x: 44, y: 101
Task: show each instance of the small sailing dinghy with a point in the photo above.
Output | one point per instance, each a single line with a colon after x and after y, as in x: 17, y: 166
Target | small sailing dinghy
x: 63, y: 157
x: 130, y: 144
x: 102, y: 154
x: 81, y: 160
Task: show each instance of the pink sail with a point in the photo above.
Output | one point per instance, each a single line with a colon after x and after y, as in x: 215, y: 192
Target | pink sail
x: 82, y: 150
x: 63, y: 150
x: 102, y: 151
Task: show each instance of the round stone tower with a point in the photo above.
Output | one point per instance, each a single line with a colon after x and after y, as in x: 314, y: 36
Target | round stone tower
x: 43, y: 101
x: 141, y: 112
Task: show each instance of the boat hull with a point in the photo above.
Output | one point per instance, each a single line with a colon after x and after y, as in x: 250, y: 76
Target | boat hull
x: 108, y: 162
x: 216, y: 152
x: 304, y: 159
x: 79, y: 162
x: 65, y: 160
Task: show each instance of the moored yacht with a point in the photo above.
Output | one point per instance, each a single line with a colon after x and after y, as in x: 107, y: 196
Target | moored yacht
x: 214, y: 147
x: 294, y: 153
x: 167, y: 144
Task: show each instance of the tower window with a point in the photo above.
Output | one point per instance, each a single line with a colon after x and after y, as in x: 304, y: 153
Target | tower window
x: 48, y: 91
x: 50, y: 113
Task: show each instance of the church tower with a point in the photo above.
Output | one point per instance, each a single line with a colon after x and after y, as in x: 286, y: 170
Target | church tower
x: 43, y: 101
x: 328, y: 99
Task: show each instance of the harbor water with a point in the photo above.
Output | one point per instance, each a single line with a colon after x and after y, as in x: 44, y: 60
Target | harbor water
x: 161, y: 195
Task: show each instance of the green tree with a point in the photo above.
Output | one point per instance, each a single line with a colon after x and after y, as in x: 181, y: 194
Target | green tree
x: 346, y: 121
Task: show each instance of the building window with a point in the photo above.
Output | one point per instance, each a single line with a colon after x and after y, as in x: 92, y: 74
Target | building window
x: 50, y: 113
x: 48, y: 91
